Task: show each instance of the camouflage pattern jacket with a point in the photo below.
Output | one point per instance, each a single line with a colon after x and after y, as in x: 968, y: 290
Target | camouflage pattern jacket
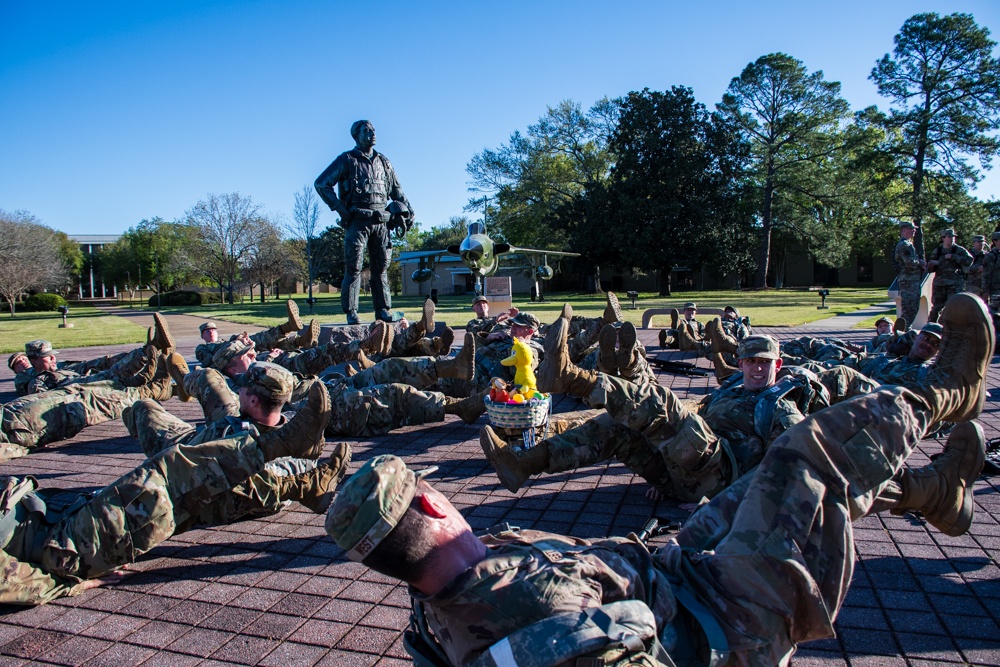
x: 950, y: 271
x: 528, y: 576
x: 886, y: 369
x: 482, y: 327
x: 991, y: 272
x: 907, y: 261
x: 974, y: 275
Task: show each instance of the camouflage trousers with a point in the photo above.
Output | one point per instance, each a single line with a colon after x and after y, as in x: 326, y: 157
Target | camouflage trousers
x: 639, y: 372
x: 39, y: 419
x: 98, y: 364
x: 273, y: 339
x: 179, y: 488
x: 157, y: 431
x: 650, y: 432
x: 941, y: 291
x: 314, y: 361
x: 909, y: 298
x: 377, y: 409
x: 772, y: 555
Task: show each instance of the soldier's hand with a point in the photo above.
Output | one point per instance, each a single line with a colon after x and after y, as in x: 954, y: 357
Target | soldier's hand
x: 497, y: 335
x: 652, y: 493
x: 110, y: 578
x: 513, y: 312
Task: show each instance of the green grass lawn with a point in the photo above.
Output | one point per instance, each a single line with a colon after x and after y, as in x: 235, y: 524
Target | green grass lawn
x: 90, y: 327
x: 765, y: 308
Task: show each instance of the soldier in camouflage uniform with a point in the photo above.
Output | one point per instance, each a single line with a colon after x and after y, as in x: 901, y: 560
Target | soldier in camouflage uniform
x: 974, y: 274
x: 483, y: 325
x: 683, y: 454
x: 910, y: 267
x: 274, y: 338
x: 762, y: 567
x: 684, y: 333
x: 949, y: 262
x: 39, y: 419
x: 45, y: 557
x: 23, y: 372
x: 991, y: 274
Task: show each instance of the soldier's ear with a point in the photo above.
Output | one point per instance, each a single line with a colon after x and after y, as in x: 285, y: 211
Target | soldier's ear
x: 431, y: 506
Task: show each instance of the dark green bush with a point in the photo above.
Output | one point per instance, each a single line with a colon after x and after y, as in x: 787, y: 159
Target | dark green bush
x: 41, y: 302
x: 184, y: 298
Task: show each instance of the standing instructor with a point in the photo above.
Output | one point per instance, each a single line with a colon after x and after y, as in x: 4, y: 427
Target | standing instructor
x: 359, y: 185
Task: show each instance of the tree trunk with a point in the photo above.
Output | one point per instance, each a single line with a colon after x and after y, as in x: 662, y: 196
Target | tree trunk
x: 262, y: 292
x: 665, y: 273
x: 592, y: 280
x: 764, y: 253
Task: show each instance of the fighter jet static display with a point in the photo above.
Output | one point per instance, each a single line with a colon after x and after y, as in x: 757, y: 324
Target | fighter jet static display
x: 481, y: 255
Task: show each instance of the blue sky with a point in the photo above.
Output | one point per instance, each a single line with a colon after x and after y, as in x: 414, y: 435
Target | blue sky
x: 115, y: 112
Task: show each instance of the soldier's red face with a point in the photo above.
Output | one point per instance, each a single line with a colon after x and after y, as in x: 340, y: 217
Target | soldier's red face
x: 482, y: 309
x: 43, y: 364
x: 759, y: 373
x: 210, y: 335
x: 524, y: 333
x: 21, y: 364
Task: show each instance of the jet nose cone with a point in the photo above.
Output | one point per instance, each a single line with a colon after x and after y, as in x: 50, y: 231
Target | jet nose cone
x: 472, y: 251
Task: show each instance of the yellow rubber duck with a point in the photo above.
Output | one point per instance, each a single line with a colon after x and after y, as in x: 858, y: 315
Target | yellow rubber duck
x: 520, y: 359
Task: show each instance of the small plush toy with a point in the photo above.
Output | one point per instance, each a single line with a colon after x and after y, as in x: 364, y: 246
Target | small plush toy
x: 498, y: 391
x: 520, y: 359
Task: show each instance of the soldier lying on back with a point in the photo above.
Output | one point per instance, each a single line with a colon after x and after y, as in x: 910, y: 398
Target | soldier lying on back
x: 762, y: 567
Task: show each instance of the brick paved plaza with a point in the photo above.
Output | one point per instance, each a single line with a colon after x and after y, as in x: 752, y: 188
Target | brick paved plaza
x: 277, y: 591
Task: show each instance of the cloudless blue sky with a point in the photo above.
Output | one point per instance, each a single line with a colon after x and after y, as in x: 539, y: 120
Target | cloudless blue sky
x: 111, y: 112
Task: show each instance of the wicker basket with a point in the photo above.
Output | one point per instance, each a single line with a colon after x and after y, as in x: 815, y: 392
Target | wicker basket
x: 519, y: 415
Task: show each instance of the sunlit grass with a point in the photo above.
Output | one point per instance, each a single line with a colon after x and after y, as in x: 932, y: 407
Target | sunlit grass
x: 90, y: 327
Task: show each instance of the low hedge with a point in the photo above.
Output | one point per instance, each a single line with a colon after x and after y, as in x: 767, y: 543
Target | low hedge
x: 184, y: 298
x: 37, y: 303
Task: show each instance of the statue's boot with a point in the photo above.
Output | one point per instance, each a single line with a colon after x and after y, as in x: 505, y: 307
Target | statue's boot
x: 955, y: 388
x: 720, y: 340
x: 942, y: 491
x: 607, y: 356
x: 612, y: 309
x: 294, y: 322
x: 468, y: 409
x: 513, y: 467
x: 557, y: 373
x: 722, y: 369
x: 177, y: 369
x: 443, y: 343
x: 316, y: 488
x: 309, y: 336
x: 463, y: 365
x: 162, y: 339
x: 302, y: 436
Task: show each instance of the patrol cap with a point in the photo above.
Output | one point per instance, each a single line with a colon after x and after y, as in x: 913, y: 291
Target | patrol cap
x: 229, y: 351
x: 39, y: 348
x: 761, y: 346
x: 883, y: 319
x: 996, y: 235
x: 691, y: 304
x: 526, y: 320
x: 14, y: 357
x: 480, y: 299
x: 948, y: 232
x: 733, y: 310
x: 206, y: 326
x: 370, y: 504
x: 978, y: 237
x: 907, y: 225
x: 270, y: 379
x: 934, y: 329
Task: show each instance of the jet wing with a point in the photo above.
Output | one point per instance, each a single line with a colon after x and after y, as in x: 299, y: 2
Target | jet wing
x: 535, y: 251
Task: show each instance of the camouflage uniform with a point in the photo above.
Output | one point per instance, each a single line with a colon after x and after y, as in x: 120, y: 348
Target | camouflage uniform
x: 179, y: 488
x: 267, y: 339
x: 695, y: 458
x: 39, y: 419
x: 991, y: 278
x: 95, y: 370
x: 482, y: 327
x: 908, y: 280
x: 949, y: 275
x: 770, y: 558
x: 974, y: 274
x: 888, y: 370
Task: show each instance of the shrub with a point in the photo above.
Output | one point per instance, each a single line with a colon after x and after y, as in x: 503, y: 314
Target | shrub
x: 184, y: 298
x: 41, y: 302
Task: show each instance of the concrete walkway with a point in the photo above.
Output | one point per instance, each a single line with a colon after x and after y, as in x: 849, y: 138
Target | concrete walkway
x: 850, y: 320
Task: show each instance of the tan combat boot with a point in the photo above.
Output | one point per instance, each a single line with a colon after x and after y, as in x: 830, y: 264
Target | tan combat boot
x: 955, y: 388
x: 675, y: 317
x: 162, y: 339
x: 350, y: 371
x: 309, y: 336
x: 364, y: 363
x: 607, y: 356
x: 468, y: 409
x: 374, y: 342
x: 567, y: 312
x: 388, y: 335
x: 463, y: 365
x: 720, y: 340
x: 685, y: 341
x: 302, y: 436
x: 612, y: 309
x: 426, y: 323
x: 722, y: 369
x: 177, y: 368
x: 316, y: 488
x: 513, y: 468
x: 942, y: 491
x: 443, y: 343
x: 557, y: 373
x: 667, y: 338
x: 294, y: 322
x: 629, y: 350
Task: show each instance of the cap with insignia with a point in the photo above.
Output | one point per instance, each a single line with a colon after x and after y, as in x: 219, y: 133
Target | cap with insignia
x: 760, y: 346
x: 229, y: 351
x: 269, y: 379
x: 39, y: 348
x: 526, y: 320
x: 948, y: 232
x: 691, y: 304
x: 206, y: 326
x: 370, y: 504
x: 480, y: 299
x: 934, y: 329
x: 14, y: 357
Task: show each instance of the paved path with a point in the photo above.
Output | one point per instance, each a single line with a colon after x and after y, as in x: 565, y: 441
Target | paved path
x: 277, y: 591
x: 851, y: 320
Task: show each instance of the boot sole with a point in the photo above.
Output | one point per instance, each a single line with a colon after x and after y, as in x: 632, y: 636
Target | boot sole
x: 606, y: 345
x: 162, y: 328
x: 616, y: 306
x: 293, y: 314
x: 428, y: 316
